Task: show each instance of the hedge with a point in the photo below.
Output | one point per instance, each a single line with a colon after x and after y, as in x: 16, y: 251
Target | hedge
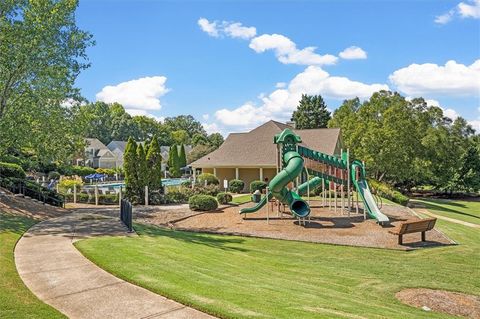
x: 209, y: 178
x: 11, y: 170
x: 202, y: 202
x: 103, y: 199
x: 82, y: 170
x: 224, y: 198
x: 388, y: 192
x: 53, y: 175
x: 236, y: 185
x: 257, y: 185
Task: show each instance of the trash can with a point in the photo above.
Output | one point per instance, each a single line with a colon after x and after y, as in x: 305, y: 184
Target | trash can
x: 256, y: 196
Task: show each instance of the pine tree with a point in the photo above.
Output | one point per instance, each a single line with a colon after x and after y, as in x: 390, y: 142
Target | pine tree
x: 130, y: 169
x: 142, y: 172
x: 311, y: 112
x: 154, y: 162
x: 173, y: 161
x: 182, y: 157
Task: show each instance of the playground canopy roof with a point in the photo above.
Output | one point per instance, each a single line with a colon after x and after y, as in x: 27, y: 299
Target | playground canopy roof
x: 256, y: 148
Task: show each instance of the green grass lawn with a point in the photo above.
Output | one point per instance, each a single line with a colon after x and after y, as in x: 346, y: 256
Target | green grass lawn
x: 242, y: 199
x: 16, y: 301
x: 236, y: 277
x: 468, y: 211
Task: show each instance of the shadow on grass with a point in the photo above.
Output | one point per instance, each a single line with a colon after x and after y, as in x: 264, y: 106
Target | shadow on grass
x: 14, y: 224
x: 213, y: 241
x: 434, y: 206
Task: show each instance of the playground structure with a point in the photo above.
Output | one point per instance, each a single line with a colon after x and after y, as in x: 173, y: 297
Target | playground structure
x: 300, y: 169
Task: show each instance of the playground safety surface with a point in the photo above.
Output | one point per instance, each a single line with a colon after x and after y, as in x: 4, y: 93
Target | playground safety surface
x: 325, y: 226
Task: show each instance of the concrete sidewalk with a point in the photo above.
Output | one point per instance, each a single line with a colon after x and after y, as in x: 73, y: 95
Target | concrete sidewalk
x: 58, y: 274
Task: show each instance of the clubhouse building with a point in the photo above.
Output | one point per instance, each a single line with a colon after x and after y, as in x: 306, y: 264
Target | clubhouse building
x: 253, y: 155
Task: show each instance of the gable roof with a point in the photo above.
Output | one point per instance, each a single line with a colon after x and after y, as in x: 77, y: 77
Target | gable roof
x: 256, y: 148
x: 95, y: 144
x: 120, y: 145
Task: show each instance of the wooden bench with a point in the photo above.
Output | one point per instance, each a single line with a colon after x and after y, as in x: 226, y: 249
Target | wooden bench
x: 414, y: 226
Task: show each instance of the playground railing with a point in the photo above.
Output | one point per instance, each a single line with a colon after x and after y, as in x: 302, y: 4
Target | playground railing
x: 126, y: 214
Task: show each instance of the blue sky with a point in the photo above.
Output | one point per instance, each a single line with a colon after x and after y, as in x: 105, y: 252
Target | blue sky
x: 234, y: 65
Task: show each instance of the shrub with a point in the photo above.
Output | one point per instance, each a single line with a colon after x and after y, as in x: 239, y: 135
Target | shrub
x: 388, y: 192
x: 82, y: 170
x: 11, y: 170
x: 175, y: 196
x: 236, y: 186
x: 66, y: 184
x: 202, y: 202
x: 106, y: 171
x: 224, y: 198
x: 186, y: 184
x: 53, y: 175
x: 257, y: 185
x: 209, y: 178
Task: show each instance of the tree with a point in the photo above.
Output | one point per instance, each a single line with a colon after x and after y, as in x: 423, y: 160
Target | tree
x: 42, y: 51
x: 215, y: 139
x: 468, y: 176
x: 154, y: 162
x: 199, y: 139
x: 186, y: 123
x: 180, y: 137
x: 173, y: 161
x: 182, y: 158
x: 142, y: 172
x: 311, y: 112
x: 130, y: 168
x: 199, y: 151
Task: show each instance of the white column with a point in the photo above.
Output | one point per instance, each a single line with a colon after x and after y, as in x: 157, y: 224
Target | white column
x: 215, y: 171
x: 146, y: 195
x: 74, y: 193
x: 261, y: 173
x: 96, y: 195
x: 237, y: 173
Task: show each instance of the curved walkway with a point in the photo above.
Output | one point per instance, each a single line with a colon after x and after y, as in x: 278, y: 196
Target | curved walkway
x: 58, y: 274
x: 452, y: 220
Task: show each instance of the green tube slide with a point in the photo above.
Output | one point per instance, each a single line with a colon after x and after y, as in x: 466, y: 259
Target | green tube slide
x: 277, y: 186
x: 365, y: 194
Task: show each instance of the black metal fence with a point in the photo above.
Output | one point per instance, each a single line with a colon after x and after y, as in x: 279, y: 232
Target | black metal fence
x: 126, y: 214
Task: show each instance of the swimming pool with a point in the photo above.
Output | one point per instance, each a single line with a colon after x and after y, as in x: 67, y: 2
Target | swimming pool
x: 117, y: 185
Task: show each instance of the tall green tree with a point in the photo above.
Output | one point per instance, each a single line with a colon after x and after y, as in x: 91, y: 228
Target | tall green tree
x: 42, y: 51
x: 130, y: 168
x: 182, y: 157
x: 311, y: 112
x: 142, y: 167
x: 215, y: 139
x: 180, y: 137
x: 174, y: 162
x: 186, y: 123
x: 154, y: 162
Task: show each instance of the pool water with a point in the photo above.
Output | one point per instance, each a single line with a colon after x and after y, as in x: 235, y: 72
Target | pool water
x: 117, y: 185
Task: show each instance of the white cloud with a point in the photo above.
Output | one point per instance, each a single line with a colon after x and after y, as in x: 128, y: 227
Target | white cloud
x: 237, y: 30
x: 226, y: 28
x: 353, y: 53
x: 471, y: 9
x: 280, y: 103
x: 211, y: 128
x: 286, y: 50
x: 445, y: 18
x: 451, y: 79
x: 137, y: 96
x: 206, y: 116
x: 280, y: 85
x: 209, y: 27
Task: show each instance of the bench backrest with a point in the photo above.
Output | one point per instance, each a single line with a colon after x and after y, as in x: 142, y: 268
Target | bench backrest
x: 417, y: 226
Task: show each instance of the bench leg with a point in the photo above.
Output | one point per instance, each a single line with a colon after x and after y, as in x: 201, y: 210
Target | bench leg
x: 400, y: 239
x: 423, y: 236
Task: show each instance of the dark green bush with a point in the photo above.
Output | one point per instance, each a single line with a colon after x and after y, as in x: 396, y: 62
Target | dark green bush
x: 202, y: 202
x: 53, y: 175
x: 207, y: 177
x: 186, y: 184
x: 224, y: 198
x: 257, y: 185
x: 103, y: 199
x: 236, y: 185
x: 388, y: 192
x: 176, y: 196
x: 11, y: 170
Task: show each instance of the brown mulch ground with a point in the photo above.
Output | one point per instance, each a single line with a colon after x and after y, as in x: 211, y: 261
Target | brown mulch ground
x: 452, y: 303
x: 325, y: 226
x: 26, y: 207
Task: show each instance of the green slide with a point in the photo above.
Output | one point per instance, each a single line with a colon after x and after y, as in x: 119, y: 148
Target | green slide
x: 364, y: 190
x: 277, y: 186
